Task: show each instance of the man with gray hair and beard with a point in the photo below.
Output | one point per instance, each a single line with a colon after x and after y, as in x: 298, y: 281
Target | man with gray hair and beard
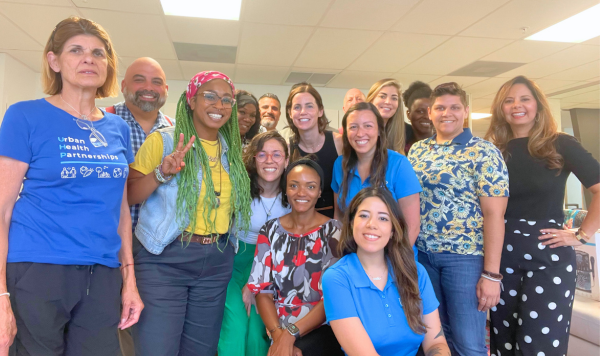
x: 145, y: 91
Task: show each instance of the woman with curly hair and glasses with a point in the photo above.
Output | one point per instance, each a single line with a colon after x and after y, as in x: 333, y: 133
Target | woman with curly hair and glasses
x: 378, y: 300
x: 191, y: 188
x: 538, y: 260
x: 243, y: 332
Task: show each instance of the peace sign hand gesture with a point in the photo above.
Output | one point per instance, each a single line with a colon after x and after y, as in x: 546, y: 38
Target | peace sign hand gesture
x: 173, y: 163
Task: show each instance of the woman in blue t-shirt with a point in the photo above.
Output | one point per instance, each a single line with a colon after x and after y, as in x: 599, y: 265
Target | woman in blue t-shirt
x: 377, y: 299
x: 70, y: 229
x: 366, y: 162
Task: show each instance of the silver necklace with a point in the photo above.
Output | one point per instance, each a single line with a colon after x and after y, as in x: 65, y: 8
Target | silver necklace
x: 83, y: 117
x: 376, y: 278
x: 268, y: 212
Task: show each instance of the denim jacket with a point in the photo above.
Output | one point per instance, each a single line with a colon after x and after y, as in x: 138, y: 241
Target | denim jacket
x: 157, y: 226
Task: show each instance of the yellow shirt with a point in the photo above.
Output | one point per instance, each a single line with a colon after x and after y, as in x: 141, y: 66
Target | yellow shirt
x: 150, y: 156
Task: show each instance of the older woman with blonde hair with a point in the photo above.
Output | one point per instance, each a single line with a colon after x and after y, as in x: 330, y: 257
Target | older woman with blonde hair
x: 68, y: 233
x: 385, y: 95
x: 538, y: 260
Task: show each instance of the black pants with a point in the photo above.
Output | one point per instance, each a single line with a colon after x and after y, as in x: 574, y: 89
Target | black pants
x: 64, y: 309
x: 534, y: 313
x: 183, y: 290
x: 319, y: 342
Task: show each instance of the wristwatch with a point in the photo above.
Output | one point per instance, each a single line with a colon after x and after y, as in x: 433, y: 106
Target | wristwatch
x: 293, y: 330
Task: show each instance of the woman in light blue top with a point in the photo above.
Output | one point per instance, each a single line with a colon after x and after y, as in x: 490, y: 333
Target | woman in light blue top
x: 366, y: 162
x: 243, y: 331
x: 377, y: 299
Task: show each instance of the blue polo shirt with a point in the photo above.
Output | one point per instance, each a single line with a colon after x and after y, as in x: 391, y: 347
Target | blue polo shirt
x: 348, y: 292
x: 400, y: 177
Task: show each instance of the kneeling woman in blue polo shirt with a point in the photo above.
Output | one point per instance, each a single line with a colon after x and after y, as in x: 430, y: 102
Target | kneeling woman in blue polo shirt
x: 366, y: 162
x: 377, y: 299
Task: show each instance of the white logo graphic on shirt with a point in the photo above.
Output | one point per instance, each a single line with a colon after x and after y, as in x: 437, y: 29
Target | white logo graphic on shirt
x: 117, y: 172
x: 68, y: 172
x: 101, y: 173
x: 85, y: 171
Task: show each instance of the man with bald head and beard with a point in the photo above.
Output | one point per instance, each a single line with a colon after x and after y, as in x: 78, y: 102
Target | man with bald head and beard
x: 145, y: 91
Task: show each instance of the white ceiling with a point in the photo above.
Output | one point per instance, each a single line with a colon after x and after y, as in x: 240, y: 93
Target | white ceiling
x: 361, y: 41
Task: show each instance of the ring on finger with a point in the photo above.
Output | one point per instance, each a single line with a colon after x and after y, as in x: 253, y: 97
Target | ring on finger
x: 553, y: 235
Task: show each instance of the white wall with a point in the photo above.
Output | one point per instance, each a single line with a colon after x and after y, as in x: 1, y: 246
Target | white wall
x: 17, y: 82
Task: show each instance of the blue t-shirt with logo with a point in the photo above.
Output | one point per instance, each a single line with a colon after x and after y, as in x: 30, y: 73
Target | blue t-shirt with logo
x: 69, y: 208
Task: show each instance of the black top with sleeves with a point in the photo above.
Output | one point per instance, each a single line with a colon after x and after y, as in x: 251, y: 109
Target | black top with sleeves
x: 536, y: 192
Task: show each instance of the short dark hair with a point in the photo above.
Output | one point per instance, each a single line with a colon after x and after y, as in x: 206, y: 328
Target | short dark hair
x: 272, y: 96
x: 451, y: 88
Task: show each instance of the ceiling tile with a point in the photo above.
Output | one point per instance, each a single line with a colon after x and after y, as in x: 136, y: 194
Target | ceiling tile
x: 582, y: 98
x: 378, y: 15
x: 486, y: 87
x: 250, y: 74
x: 335, y: 48
x: 361, y: 80
x: 454, y: 54
x: 395, y: 50
x: 575, y: 92
x: 44, y: 2
x: 583, y: 72
x: 445, y: 17
x: 526, y: 51
x: 571, y: 57
x: 406, y: 79
x: 32, y: 59
x: 135, y: 35
x: 152, y: 7
x: 17, y: 38
x: 593, y: 42
x: 271, y: 44
x: 536, y: 15
x: 579, y: 106
x: 203, y: 31
x: 190, y: 69
x: 551, y: 85
x: 481, y: 105
x: 284, y: 12
x: 462, y: 81
x: 169, y: 66
x: 38, y: 21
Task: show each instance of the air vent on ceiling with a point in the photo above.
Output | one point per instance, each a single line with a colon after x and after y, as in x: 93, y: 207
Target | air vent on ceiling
x: 316, y: 79
x: 205, y: 53
x: 485, y: 69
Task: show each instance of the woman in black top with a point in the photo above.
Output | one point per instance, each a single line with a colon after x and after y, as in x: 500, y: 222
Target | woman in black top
x: 306, y: 117
x: 538, y: 261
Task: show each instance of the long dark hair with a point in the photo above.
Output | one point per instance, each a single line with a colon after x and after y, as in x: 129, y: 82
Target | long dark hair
x: 243, y: 98
x: 398, y: 250
x: 379, y: 164
x: 255, y: 146
x: 322, y: 121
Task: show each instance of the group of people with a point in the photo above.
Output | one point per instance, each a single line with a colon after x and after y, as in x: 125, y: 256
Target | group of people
x: 213, y: 233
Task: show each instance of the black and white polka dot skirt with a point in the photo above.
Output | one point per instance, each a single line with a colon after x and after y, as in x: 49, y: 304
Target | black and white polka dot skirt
x: 534, y: 314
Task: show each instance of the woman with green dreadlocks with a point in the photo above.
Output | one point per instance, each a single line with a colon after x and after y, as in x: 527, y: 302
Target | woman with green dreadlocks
x: 193, y: 181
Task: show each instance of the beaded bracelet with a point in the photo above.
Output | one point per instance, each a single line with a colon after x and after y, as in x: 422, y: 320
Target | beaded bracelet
x: 160, y: 176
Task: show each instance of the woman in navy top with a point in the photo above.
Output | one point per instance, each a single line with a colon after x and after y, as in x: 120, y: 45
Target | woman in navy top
x: 377, y: 299
x: 367, y: 162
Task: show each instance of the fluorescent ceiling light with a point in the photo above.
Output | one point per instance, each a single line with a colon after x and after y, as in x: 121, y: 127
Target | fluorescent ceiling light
x: 209, y: 9
x: 479, y: 115
x: 576, y: 29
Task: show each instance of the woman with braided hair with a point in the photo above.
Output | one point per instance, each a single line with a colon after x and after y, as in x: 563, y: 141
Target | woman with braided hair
x: 193, y: 180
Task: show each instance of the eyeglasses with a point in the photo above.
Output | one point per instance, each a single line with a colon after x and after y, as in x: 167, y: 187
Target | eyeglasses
x: 213, y: 99
x: 276, y: 156
x: 96, y: 138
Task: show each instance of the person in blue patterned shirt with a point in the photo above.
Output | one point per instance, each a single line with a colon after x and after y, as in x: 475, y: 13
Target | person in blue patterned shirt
x: 145, y: 90
x: 465, y: 192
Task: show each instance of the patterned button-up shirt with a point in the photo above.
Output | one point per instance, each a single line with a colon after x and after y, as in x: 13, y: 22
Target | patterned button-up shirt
x: 138, y: 136
x: 453, y: 176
